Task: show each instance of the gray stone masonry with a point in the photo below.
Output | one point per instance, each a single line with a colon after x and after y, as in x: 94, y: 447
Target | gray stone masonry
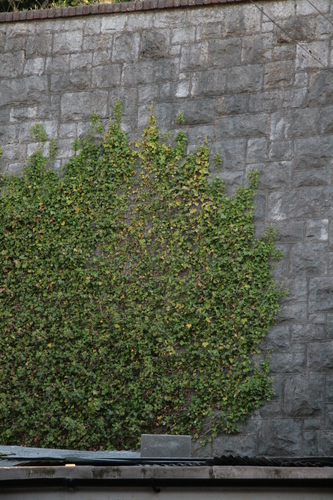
x: 264, y: 99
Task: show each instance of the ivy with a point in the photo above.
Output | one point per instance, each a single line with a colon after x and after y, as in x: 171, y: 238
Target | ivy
x: 133, y: 295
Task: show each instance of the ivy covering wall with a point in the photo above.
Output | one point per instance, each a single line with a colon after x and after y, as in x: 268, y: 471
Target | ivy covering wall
x: 133, y: 295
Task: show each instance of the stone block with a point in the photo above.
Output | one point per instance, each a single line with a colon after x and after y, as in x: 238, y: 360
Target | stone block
x: 232, y: 105
x: 329, y: 388
x: 280, y: 270
x: 313, y: 424
x: 297, y: 290
x: 209, y: 83
x: 11, y: 64
x: 81, y: 62
x: 312, y: 178
x: 330, y: 320
x: 278, y: 338
x: 294, y: 98
x: 278, y: 74
x: 106, y: 76
x: 153, y: 45
x: 126, y: 47
x: 80, y: 105
x: 321, y: 88
x: 304, y: 8
x: 225, y: 53
x: 318, y: 57
x: 308, y: 260
x: 232, y: 152
x: 304, y: 395
x: 207, y: 31
x: 317, y: 230
x: 39, y: 45
x: 280, y: 150
x: 183, y: 35
x: 242, y: 126
x: 280, y: 437
x: 92, y: 26
x: 329, y: 417
x: 289, y: 232
x: 165, y: 446
x: 294, y: 123
x: 239, y: 444
x: 265, y: 101
x: 24, y: 91
x: 196, y: 111
x: 326, y: 120
x: 97, y: 42
x: 69, y: 82
x: 318, y: 443
x: 67, y: 42
x: 306, y: 333
x: 233, y: 179
x: 100, y: 57
x: 166, y: 70
x: 274, y: 175
x: 34, y: 66
x: 114, y: 23
x: 200, y: 450
x: 245, y: 79
x: 315, y: 202
x: 256, y: 150
x: 198, y: 134
x: 138, y: 73
x: 321, y: 295
x: 314, y: 152
x: 194, y: 56
x: 293, y: 313
x: 182, y: 88
x: 57, y: 64
x: 282, y: 205
x: 320, y: 356
x: 256, y: 49
x: 288, y: 362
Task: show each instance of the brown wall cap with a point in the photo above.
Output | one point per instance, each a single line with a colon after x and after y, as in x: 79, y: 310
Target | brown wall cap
x: 88, y: 10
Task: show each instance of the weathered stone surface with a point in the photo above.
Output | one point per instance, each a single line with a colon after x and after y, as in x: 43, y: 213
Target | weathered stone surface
x: 308, y: 260
x: 310, y: 332
x: 273, y: 175
x: 320, y: 356
x: 304, y: 395
x: 321, y: 89
x: 314, y: 152
x: 245, y: 79
x: 279, y: 437
x: 242, y: 444
x: 79, y: 105
x: 321, y: 294
x: 163, y: 445
x: 242, y: 126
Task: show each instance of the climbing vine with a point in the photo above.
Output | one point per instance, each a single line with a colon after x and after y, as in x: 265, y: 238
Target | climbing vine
x: 133, y: 295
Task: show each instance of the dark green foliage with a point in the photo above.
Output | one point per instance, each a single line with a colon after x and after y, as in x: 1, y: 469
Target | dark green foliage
x: 133, y: 296
x: 17, y: 5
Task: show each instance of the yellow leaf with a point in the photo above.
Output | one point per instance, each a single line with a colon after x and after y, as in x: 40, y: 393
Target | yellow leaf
x: 205, y: 344
x: 49, y: 345
x: 188, y: 325
x: 116, y: 326
x: 63, y: 223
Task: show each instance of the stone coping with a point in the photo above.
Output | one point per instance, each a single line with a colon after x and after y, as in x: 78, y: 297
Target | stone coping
x: 124, y: 7
x: 144, y: 472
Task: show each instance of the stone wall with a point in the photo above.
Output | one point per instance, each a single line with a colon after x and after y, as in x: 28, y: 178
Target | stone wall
x: 264, y: 102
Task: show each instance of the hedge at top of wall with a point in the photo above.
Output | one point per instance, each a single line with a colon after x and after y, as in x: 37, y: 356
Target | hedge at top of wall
x: 263, y: 102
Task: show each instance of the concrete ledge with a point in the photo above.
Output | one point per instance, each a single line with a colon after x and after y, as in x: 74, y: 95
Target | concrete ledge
x: 115, y: 8
x: 145, y: 472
